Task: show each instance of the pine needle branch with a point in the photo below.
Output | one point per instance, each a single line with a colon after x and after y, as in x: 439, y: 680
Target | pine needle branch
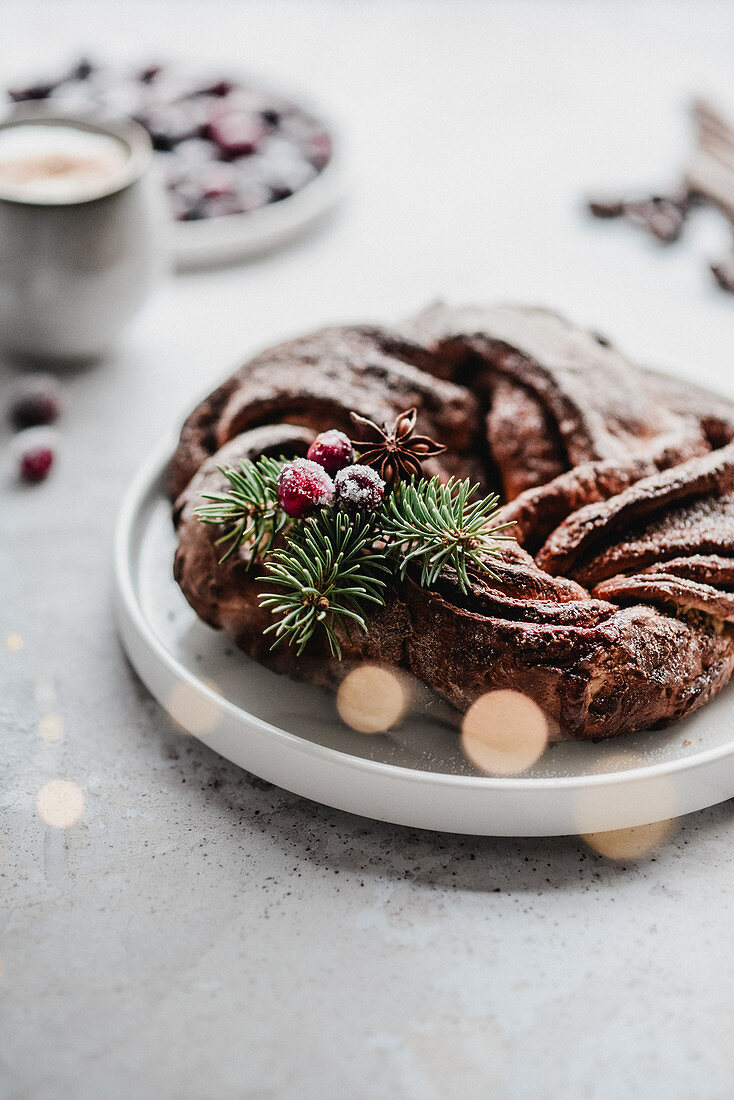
x: 249, y: 512
x: 330, y: 575
x: 438, y: 525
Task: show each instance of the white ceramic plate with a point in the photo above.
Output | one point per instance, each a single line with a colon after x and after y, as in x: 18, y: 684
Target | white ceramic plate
x: 291, y: 735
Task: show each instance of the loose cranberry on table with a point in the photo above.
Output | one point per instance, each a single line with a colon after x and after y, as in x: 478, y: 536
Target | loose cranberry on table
x: 36, y: 465
x: 332, y: 450
x: 358, y: 489
x: 304, y: 486
x: 37, y: 400
x: 34, y: 450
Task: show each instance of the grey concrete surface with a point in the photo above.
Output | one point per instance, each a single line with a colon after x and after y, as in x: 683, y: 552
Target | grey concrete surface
x: 198, y: 934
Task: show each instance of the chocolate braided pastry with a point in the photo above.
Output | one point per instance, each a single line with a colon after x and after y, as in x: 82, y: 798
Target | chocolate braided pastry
x: 613, y: 610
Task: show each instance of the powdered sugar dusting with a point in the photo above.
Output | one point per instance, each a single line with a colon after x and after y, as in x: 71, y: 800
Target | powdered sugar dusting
x: 358, y: 488
x: 303, y: 486
x: 334, y: 436
x: 333, y: 450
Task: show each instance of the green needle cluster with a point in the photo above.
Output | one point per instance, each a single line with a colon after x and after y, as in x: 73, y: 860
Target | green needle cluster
x: 330, y: 569
x: 249, y: 511
x: 439, y: 524
x: 328, y: 574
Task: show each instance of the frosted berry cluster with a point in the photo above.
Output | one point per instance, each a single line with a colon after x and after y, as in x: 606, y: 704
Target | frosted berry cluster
x: 329, y: 475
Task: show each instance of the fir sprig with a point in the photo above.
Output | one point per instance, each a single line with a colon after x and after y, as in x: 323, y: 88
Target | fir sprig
x: 249, y: 512
x: 330, y: 569
x: 330, y: 574
x: 440, y: 525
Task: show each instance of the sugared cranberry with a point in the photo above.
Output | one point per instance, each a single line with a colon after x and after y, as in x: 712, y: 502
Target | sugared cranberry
x: 149, y: 74
x: 318, y: 150
x: 332, y: 450
x: 195, y: 152
x: 304, y: 486
x: 358, y: 489
x: 218, y: 181
x: 169, y: 126
x: 36, y: 463
x: 37, y: 401
x: 251, y: 195
x: 236, y: 133
x: 220, y: 89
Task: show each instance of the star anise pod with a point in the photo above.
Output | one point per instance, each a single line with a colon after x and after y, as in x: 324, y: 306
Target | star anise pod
x: 395, y: 452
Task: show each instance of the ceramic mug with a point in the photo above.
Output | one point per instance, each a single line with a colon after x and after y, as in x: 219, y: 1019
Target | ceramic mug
x: 74, y: 271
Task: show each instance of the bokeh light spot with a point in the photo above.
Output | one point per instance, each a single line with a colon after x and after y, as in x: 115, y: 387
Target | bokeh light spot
x: 504, y: 732
x: 13, y: 642
x: 51, y: 727
x: 371, y: 699
x: 60, y: 803
x: 193, y: 712
x: 633, y: 843
x: 603, y: 810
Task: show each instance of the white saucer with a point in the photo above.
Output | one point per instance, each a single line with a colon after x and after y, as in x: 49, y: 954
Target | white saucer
x: 290, y: 734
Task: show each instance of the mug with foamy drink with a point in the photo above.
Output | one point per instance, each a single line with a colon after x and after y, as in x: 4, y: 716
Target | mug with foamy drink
x: 80, y: 225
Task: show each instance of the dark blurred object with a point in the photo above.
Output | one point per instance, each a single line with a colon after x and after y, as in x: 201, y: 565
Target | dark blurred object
x: 708, y: 179
x: 723, y: 272
x: 37, y: 400
x: 662, y: 217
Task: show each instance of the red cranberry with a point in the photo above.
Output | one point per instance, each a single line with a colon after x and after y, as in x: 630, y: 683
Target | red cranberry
x: 195, y: 152
x: 218, y: 181
x: 149, y: 74
x: 36, y: 463
x: 332, y: 450
x: 236, y: 133
x: 217, y: 206
x: 304, y: 486
x: 358, y: 489
x: 318, y: 150
x: 37, y: 401
x: 219, y: 89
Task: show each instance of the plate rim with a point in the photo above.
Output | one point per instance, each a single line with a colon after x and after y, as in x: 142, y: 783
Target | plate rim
x: 143, y: 484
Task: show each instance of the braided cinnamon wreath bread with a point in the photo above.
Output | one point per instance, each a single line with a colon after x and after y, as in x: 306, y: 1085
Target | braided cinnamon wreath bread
x: 612, y: 610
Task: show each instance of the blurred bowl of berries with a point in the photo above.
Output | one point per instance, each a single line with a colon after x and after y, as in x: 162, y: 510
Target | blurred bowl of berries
x: 245, y: 168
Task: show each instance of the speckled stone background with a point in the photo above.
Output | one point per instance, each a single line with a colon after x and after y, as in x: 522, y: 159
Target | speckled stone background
x: 199, y: 934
